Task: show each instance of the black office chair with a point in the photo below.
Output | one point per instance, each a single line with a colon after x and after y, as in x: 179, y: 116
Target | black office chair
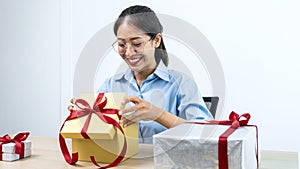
x: 212, y: 104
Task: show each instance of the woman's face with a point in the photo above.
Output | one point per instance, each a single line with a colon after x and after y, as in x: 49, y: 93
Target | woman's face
x: 136, y: 48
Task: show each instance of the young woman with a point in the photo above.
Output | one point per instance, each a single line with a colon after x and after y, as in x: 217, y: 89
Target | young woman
x: 161, y: 98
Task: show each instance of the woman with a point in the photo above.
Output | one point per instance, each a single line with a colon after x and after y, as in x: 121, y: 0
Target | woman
x: 162, y: 98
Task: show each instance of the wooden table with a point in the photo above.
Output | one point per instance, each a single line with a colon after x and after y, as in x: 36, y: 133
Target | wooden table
x: 46, y: 154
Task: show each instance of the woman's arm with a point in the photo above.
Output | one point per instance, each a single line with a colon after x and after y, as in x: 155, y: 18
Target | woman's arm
x: 143, y: 110
x: 169, y: 120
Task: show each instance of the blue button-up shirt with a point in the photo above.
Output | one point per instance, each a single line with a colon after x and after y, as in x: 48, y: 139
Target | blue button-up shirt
x: 170, y: 90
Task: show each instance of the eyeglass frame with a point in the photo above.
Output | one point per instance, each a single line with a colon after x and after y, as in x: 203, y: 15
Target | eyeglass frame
x: 152, y: 37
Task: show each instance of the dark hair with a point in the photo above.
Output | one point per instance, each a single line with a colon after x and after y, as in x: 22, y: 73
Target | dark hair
x: 146, y: 20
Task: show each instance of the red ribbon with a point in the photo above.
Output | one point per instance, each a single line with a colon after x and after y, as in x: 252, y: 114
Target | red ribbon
x: 99, y: 110
x: 235, y: 121
x: 17, y: 140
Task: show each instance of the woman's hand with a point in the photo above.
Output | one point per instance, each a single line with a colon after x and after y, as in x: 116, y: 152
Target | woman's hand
x: 141, y: 110
x: 71, y: 107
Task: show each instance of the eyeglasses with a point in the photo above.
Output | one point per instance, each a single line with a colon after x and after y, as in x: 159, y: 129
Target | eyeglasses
x: 137, y: 46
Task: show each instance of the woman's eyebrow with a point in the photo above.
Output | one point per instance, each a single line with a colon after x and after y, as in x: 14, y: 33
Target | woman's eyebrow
x: 133, y: 38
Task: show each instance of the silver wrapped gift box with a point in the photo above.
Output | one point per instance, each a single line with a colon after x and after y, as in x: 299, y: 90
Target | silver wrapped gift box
x: 196, y: 146
x: 8, y: 151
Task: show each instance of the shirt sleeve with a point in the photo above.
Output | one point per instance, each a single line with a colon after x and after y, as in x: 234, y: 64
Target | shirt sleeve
x: 191, y: 104
x: 105, y: 87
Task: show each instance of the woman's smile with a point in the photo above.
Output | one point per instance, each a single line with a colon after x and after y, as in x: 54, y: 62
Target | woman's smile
x: 134, y: 61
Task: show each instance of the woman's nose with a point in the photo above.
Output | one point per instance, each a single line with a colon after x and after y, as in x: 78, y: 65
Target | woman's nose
x: 129, y: 51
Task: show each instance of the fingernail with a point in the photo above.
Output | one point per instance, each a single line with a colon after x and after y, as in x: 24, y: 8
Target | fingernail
x: 125, y: 125
x: 121, y: 121
x: 120, y: 112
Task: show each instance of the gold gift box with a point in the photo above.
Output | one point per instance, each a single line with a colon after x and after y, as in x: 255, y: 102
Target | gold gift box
x: 106, y: 141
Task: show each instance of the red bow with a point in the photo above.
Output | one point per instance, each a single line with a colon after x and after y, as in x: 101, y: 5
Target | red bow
x: 17, y: 140
x: 235, y: 121
x: 99, y: 110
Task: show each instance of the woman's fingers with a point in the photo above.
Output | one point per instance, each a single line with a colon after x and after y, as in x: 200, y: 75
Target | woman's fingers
x: 130, y: 119
x: 133, y: 99
x: 128, y: 123
x: 70, y: 107
x: 73, y: 100
x: 127, y: 110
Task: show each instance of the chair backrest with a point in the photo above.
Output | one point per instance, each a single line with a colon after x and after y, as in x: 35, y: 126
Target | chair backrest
x: 212, y: 104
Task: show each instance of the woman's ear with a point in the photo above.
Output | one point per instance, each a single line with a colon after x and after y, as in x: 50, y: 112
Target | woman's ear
x: 157, y: 40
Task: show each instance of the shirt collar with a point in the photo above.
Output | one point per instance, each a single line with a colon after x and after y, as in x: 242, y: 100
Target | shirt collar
x: 161, y: 71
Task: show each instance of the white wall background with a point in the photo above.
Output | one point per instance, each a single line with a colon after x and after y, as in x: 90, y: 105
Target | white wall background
x: 257, y: 43
x: 30, y: 73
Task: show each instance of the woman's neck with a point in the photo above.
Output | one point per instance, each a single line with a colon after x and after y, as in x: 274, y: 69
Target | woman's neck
x: 142, y: 75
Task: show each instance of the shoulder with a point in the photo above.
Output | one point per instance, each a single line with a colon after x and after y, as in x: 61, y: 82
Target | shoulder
x: 173, y: 76
x: 178, y: 76
x: 120, y: 76
x: 110, y: 83
x: 185, y: 83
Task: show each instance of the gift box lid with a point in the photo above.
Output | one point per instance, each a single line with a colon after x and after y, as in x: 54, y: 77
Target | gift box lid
x: 97, y: 128
x: 204, y: 132
x: 10, y: 147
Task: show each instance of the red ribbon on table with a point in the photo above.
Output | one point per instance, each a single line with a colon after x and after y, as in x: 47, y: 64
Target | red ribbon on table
x: 235, y: 121
x: 18, y: 140
x: 100, y: 111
